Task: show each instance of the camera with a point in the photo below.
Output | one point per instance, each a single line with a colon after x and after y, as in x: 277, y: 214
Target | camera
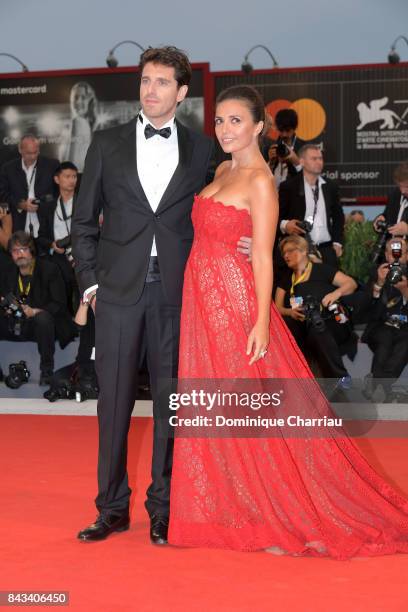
x: 305, y: 225
x: 282, y: 149
x: 65, y: 243
x: 18, y: 375
x: 396, y: 270
x: 312, y: 312
x: 382, y: 228
x: 44, y: 199
x: 12, y: 308
x: 338, y: 312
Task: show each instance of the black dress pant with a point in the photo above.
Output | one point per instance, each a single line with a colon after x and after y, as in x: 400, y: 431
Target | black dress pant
x: 39, y: 329
x: 120, y: 335
x: 323, y: 346
x: 390, y: 348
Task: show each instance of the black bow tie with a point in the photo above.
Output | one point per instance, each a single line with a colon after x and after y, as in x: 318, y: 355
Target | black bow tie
x: 150, y: 131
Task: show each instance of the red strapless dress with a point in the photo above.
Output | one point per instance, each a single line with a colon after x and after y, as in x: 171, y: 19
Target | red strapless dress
x: 315, y: 496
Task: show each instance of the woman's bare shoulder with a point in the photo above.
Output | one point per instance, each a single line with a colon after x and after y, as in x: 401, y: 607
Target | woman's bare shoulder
x: 225, y: 165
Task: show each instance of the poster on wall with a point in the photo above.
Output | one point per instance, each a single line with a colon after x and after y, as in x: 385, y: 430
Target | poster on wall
x: 359, y: 116
x: 64, y: 110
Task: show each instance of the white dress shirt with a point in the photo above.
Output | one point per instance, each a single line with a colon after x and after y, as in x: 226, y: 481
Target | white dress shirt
x: 403, y: 206
x: 61, y: 227
x: 156, y: 159
x: 320, y: 232
x: 32, y: 217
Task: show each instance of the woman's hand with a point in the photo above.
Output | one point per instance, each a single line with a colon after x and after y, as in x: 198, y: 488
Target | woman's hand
x: 258, y: 341
x: 297, y: 314
x: 330, y: 298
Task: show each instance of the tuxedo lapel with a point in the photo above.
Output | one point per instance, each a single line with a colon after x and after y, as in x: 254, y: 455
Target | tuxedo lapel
x: 185, y: 146
x: 128, y: 161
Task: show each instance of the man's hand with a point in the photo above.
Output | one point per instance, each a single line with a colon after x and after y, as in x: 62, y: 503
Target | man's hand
x: 382, y: 272
x: 330, y: 298
x: 376, y: 220
x: 272, y: 156
x: 293, y: 158
x: 292, y: 227
x: 244, y: 246
x: 402, y: 286
x: 57, y: 249
x: 399, y: 229
x: 30, y: 312
x: 339, y: 250
x: 28, y: 205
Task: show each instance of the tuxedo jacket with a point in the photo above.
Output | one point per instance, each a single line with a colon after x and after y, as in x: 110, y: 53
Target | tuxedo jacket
x: 13, y: 185
x: 47, y: 292
x: 292, y: 204
x: 46, y: 230
x: 117, y: 257
x: 392, y: 209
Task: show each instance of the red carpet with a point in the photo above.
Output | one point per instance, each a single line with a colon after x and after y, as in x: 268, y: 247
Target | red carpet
x: 48, y: 485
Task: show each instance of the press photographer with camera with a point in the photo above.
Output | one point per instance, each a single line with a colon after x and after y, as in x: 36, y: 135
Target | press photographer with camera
x: 309, y: 206
x: 283, y: 154
x: 310, y: 301
x: 394, y: 219
x: 26, y: 183
x: 54, y: 235
x: 387, y: 331
x: 33, y: 302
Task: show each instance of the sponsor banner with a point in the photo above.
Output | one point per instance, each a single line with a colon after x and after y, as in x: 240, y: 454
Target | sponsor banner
x: 359, y: 115
x: 65, y: 110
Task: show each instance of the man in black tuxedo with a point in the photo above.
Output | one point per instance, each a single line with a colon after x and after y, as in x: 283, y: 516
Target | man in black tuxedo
x: 283, y: 155
x: 27, y: 178
x: 309, y: 197
x: 395, y: 213
x: 39, y: 285
x: 144, y: 175
x: 54, y: 234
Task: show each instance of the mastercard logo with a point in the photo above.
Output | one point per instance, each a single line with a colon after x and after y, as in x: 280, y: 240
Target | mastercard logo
x: 311, y: 117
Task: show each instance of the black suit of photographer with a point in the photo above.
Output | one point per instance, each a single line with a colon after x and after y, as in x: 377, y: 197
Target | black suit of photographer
x: 14, y: 188
x: 392, y: 209
x: 292, y: 205
x: 389, y: 342
x: 46, y: 237
x: 46, y: 292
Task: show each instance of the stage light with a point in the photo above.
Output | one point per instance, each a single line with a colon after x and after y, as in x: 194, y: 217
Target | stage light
x: 393, y: 56
x: 247, y: 67
x: 23, y: 66
x: 111, y: 60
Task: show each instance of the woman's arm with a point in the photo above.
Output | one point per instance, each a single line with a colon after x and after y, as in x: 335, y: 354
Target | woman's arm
x: 264, y: 212
x: 294, y: 313
x: 345, y: 285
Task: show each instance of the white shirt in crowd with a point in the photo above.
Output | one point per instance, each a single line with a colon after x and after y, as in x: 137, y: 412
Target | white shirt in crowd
x: 32, y: 217
x: 62, y: 227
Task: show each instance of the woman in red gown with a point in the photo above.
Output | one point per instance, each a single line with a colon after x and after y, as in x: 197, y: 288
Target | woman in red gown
x: 290, y: 494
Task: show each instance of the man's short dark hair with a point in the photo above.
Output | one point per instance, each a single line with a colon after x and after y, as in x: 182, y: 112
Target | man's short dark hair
x: 66, y: 165
x: 286, y: 119
x: 169, y: 56
x: 21, y: 238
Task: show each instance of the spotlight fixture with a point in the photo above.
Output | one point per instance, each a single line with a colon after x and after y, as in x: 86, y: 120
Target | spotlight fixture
x: 393, y: 56
x: 111, y: 60
x: 23, y: 66
x: 247, y: 67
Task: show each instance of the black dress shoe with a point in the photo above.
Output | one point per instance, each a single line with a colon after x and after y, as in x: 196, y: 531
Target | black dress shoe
x: 103, y: 527
x: 159, y: 526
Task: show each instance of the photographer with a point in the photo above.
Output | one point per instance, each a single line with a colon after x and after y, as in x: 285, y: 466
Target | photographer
x: 34, y: 302
x: 310, y: 302
x: 283, y: 154
x: 394, y: 218
x: 387, y: 331
x: 54, y: 235
x: 309, y: 206
x: 27, y: 182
